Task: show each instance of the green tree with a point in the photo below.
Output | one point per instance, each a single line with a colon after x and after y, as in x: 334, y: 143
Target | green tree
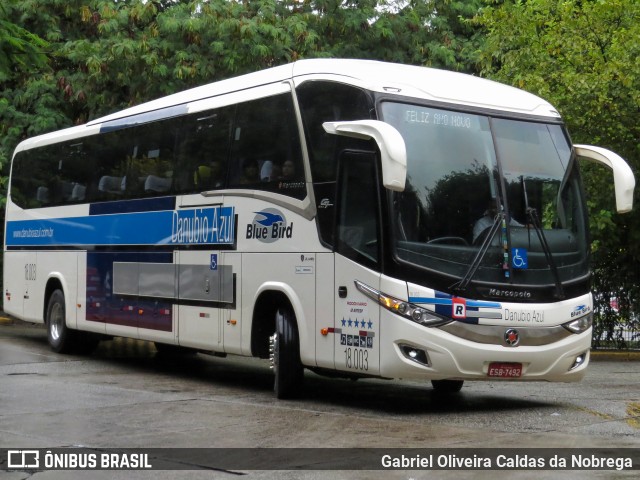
x: 20, y: 50
x: 106, y: 55
x: 21, y: 54
x: 582, y: 56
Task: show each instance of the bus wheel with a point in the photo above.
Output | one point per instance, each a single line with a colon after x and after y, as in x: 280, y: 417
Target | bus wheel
x: 447, y: 386
x: 61, y: 338
x: 285, y: 355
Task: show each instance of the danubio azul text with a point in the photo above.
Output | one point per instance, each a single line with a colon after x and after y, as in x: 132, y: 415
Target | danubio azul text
x: 203, y: 225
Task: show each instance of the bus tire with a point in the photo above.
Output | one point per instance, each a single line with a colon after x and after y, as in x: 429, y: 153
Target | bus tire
x: 61, y: 338
x: 289, y: 372
x: 447, y: 386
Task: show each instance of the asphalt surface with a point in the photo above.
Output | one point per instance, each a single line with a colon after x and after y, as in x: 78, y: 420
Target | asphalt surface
x: 126, y: 395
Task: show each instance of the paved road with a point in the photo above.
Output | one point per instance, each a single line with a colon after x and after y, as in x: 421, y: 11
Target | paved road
x: 125, y: 395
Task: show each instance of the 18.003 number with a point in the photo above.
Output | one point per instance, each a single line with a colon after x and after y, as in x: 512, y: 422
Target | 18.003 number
x: 356, y: 358
x: 30, y: 272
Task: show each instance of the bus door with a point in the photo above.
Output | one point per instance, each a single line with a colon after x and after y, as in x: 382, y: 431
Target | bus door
x: 357, y: 317
x: 201, y: 279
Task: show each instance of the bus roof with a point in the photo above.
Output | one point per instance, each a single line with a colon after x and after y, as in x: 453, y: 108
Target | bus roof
x: 431, y: 84
x: 406, y: 80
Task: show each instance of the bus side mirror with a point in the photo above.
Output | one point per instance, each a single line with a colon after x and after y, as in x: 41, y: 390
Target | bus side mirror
x: 623, y: 178
x: 393, y: 152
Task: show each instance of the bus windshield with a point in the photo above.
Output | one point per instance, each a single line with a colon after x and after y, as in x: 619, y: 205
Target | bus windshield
x: 467, y: 173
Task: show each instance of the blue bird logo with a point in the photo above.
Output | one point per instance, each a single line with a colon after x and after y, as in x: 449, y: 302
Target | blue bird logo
x: 269, y: 218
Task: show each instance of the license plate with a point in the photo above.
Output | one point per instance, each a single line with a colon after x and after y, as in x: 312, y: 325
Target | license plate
x: 505, y: 370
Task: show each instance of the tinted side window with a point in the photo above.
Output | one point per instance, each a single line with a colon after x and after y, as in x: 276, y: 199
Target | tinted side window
x: 116, y: 162
x: 202, y: 153
x: 149, y: 170
x: 129, y: 163
x: 265, y: 147
x: 358, y: 217
x: 52, y: 175
x: 31, y: 186
x: 321, y: 102
x: 252, y: 145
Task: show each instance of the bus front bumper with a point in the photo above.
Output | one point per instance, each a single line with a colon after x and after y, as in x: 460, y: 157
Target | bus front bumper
x: 433, y: 354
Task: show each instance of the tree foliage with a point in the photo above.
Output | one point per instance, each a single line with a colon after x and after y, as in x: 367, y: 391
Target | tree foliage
x: 106, y: 55
x: 64, y: 62
x: 20, y: 50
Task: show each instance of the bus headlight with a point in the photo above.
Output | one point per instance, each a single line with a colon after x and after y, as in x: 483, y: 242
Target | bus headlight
x: 581, y: 324
x: 404, y: 309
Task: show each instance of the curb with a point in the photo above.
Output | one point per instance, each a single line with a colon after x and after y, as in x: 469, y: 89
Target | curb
x: 615, y: 356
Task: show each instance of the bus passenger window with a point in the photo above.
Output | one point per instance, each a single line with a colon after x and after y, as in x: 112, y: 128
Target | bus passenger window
x: 250, y: 172
x: 150, y: 159
x: 202, y: 152
x: 266, y: 152
x: 109, y: 153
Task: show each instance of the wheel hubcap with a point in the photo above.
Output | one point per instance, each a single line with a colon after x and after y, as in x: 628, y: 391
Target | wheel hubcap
x: 273, y: 340
x: 56, y: 322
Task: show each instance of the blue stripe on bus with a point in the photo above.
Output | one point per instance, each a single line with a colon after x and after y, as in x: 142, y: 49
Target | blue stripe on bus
x: 449, y: 302
x: 131, y: 206
x: 198, y: 226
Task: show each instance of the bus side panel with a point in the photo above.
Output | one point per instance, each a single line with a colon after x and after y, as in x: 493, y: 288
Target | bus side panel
x: 89, y: 296
x: 118, y: 313
x: 288, y: 273
x: 154, y: 335
x: 325, y: 319
x: 35, y: 280
x: 16, y: 267
x: 358, y: 329
x: 233, y: 326
x: 53, y: 266
x: 158, y: 321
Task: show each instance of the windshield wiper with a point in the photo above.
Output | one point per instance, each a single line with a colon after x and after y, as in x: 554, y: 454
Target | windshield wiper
x: 532, y: 214
x: 462, y: 285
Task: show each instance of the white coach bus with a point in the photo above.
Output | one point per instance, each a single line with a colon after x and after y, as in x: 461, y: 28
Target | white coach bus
x: 350, y: 217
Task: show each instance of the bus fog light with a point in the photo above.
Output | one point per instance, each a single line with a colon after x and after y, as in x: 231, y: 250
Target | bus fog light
x: 580, y: 359
x: 415, y: 354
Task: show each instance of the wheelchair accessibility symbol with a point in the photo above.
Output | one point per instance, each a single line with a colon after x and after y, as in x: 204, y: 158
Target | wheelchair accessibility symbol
x: 519, y: 258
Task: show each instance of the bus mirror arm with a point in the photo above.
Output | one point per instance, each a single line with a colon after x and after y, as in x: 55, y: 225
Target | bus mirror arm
x: 393, y: 152
x: 623, y: 178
